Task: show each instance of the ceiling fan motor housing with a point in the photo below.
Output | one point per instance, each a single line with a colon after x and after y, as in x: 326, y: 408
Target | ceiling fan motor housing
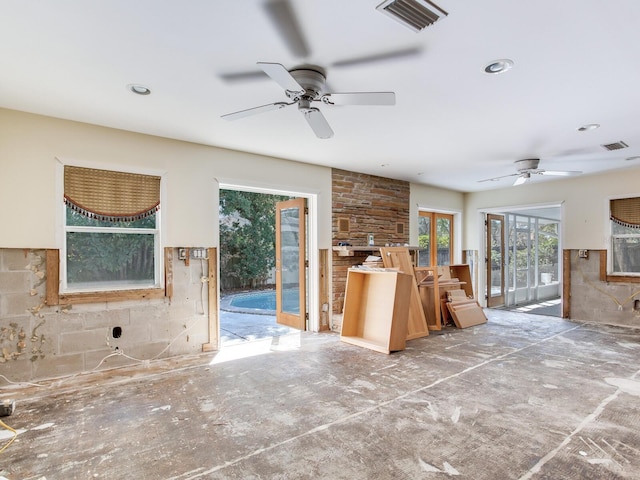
x: 312, y: 81
x: 527, y: 164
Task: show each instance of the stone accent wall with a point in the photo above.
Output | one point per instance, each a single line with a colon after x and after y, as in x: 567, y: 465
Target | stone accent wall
x: 368, y: 205
x: 38, y: 341
x: 593, y: 300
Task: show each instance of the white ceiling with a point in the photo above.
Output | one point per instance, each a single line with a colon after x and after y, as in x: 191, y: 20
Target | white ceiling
x: 576, y: 62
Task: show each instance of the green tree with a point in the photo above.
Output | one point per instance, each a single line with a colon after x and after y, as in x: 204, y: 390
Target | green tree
x: 247, y: 237
x: 107, y: 257
x: 548, y: 244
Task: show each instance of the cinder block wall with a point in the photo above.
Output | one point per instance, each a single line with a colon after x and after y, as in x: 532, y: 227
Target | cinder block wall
x: 39, y: 341
x: 371, y: 205
x: 594, y: 300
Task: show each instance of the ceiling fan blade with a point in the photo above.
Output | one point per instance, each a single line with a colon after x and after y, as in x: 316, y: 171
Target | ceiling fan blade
x: 523, y: 178
x: 360, y: 98
x: 566, y: 173
x: 281, y: 76
x: 243, y: 76
x: 318, y: 123
x: 255, y: 110
x: 281, y: 13
x: 495, y: 179
x: 382, y: 57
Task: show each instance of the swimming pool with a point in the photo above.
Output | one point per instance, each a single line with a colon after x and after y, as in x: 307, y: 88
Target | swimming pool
x: 261, y: 302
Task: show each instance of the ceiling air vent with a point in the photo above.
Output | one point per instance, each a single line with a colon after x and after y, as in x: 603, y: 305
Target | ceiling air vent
x: 415, y: 14
x: 615, y: 146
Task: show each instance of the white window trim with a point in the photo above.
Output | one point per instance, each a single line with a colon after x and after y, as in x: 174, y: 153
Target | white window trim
x: 62, y: 228
x: 609, y: 237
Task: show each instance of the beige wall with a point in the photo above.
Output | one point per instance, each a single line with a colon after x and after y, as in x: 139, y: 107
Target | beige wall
x: 584, y: 202
x: 30, y: 145
x: 435, y: 199
x: 33, y: 149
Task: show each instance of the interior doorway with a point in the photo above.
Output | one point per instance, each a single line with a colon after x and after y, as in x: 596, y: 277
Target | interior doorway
x: 263, y: 245
x: 524, y: 260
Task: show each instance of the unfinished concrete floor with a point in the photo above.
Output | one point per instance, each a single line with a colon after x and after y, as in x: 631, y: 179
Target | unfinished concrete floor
x: 523, y: 396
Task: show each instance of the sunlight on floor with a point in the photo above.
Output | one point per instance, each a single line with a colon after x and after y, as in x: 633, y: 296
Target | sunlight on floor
x: 281, y: 343
x: 534, y: 306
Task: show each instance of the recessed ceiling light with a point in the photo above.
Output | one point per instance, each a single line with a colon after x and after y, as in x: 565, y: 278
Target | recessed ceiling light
x: 588, y: 126
x: 139, y: 89
x: 499, y: 66
x: 637, y: 157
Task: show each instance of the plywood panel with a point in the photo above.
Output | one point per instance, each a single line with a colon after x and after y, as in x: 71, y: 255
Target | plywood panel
x: 53, y: 277
x: 466, y: 313
x: 399, y: 257
x: 376, y: 309
x: 212, y: 280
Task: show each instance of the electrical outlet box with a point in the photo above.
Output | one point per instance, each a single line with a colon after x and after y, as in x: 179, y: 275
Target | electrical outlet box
x: 583, y: 253
x: 182, y: 254
x: 199, y: 253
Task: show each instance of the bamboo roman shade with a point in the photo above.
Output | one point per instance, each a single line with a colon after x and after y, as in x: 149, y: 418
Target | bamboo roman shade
x: 626, y: 211
x: 109, y: 195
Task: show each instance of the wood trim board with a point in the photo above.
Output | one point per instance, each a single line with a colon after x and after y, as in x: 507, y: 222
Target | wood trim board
x: 399, y: 257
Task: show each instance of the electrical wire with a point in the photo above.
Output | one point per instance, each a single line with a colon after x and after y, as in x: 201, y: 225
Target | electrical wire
x: 21, y: 383
x: 15, y: 434
x: 204, y: 280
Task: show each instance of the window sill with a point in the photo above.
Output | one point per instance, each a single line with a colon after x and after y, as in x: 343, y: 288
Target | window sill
x: 110, y: 296
x: 622, y: 279
x: 605, y: 277
x: 54, y: 297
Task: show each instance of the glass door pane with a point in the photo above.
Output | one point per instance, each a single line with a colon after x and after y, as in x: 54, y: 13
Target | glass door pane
x: 290, y: 260
x: 495, y: 262
x: 424, y: 240
x: 444, y: 239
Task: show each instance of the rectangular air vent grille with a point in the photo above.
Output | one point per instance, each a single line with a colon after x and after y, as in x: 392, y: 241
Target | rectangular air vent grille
x: 615, y: 146
x: 415, y: 14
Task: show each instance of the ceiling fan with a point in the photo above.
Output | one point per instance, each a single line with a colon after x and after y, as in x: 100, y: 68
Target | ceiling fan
x: 527, y: 167
x: 305, y: 85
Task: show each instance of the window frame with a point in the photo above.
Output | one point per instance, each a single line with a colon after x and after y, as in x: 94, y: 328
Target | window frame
x: 611, y: 275
x: 606, y: 256
x: 68, y: 295
x: 155, y: 232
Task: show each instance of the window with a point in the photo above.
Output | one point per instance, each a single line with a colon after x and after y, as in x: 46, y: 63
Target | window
x: 111, y: 230
x: 625, y: 236
x: 435, y: 239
